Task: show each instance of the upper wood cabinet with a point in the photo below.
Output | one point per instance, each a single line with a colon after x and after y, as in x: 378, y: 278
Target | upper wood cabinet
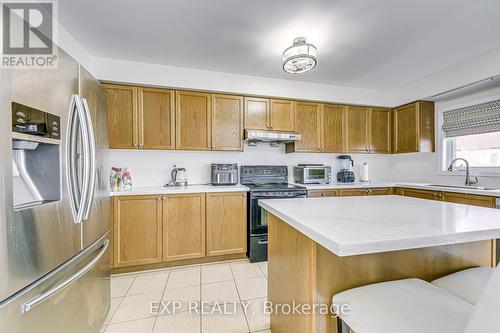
x: 226, y: 223
x: 282, y: 115
x: 368, y: 130
x: 137, y: 230
x: 413, y: 127
x: 183, y: 226
x: 333, y: 128
x: 227, y: 122
x: 308, y: 125
x: 193, y: 119
x: 357, y: 129
x: 122, y: 116
x: 140, y: 117
x: 380, y: 130
x: 156, y: 125
x: 257, y: 113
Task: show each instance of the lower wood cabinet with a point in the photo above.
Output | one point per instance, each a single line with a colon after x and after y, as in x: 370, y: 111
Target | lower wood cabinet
x: 137, y: 230
x: 349, y: 192
x: 155, y: 229
x: 183, y: 226
x: 321, y: 193
x: 460, y: 198
x: 226, y: 223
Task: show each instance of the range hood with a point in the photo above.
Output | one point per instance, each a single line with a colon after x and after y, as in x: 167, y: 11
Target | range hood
x: 253, y: 137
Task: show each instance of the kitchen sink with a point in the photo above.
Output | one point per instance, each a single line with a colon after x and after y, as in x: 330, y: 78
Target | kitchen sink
x: 482, y: 188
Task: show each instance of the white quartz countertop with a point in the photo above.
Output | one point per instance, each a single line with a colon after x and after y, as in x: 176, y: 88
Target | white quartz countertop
x: 422, y: 186
x: 360, y: 225
x: 180, y: 190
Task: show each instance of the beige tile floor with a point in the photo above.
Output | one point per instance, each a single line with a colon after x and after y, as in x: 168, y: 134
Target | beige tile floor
x: 232, y: 284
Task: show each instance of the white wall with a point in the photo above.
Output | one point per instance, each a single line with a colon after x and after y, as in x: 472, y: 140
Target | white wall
x: 152, y: 168
x: 178, y: 77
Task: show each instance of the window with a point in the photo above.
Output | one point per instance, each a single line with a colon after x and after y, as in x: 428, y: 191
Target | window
x: 481, y: 150
x: 471, y: 132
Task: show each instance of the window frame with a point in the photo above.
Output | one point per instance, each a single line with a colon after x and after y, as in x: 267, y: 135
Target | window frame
x: 445, y: 148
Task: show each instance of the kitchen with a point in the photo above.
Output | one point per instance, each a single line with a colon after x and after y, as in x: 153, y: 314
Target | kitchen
x: 140, y: 177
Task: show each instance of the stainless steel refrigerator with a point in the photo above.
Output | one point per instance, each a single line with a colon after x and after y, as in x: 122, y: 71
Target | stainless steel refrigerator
x: 54, y: 202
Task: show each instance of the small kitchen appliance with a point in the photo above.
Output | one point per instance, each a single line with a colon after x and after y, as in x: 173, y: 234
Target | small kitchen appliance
x: 178, y: 177
x: 265, y: 182
x: 345, y: 174
x: 312, y: 174
x: 224, y: 174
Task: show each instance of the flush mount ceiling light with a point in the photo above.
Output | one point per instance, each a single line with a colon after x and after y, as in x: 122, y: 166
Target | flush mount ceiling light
x: 300, y: 57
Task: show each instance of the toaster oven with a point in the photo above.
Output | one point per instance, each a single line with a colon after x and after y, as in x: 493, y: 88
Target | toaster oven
x: 312, y: 174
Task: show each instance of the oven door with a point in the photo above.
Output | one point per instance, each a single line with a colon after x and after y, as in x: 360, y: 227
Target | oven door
x: 315, y: 175
x: 259, y: 217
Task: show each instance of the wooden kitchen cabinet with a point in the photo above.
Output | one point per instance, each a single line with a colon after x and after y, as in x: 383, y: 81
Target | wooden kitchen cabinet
x: 321, y: 193
x: 193, y: 120
x: 380, y: 130
x: 156, y: 118
x: 227, y: 122
x: 333, y: 128
x: 137, y: 230
x: 357, y: 129
x: 308, y: 125
x: 421, y: 194
x: 469, y: 199
x: 257, y: 113
x: 282, y: 115
x: 183, y: 226
x: 364, y: 191
x: 122, y: 116
x: 413, y: 128
x: 226, y: 223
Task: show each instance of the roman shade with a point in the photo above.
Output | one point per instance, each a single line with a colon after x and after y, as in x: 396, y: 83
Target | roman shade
x: 475, y: 119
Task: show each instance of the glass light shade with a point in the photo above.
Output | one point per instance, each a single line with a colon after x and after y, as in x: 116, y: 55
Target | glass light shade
x: 300, y: 57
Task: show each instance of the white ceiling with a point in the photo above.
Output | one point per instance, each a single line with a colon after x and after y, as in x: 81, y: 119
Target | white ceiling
x: 382, y: 44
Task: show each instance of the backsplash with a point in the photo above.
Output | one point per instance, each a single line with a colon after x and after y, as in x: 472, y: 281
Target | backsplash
x: 152, y: 167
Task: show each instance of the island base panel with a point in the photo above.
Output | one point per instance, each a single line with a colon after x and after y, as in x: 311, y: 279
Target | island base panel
x: 300, y: 270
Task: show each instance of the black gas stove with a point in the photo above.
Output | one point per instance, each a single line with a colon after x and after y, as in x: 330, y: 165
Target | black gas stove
x: 265, y: 182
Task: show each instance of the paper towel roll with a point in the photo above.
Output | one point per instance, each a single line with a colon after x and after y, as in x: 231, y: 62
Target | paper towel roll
x: 364, y: 172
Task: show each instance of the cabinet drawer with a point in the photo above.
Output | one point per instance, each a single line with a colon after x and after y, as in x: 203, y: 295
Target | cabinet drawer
x: 321, y: 193
x: 421, y: 194
x: 469, y: 199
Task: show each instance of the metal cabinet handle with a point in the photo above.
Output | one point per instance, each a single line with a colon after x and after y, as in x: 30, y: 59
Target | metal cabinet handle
x: 37, y: 300
x: 262, y: 242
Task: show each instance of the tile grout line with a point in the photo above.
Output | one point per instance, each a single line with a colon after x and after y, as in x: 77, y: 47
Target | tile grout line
x: 239, y: 296
x: 161, y: 300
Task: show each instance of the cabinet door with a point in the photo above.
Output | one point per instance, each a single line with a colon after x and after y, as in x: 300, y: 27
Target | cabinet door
x: 282, y: 115
x: 357, y: 129
x: 192, y: 120
x: 469, y: 199
x: 227, y: 122
x: 226, y: 223
x: 352, y: 193
x: 321, y: 193
x: 380, y: 191
x: 380, y: 131
x: 183, y: 226
x: 122, y: 116
x: 333, y: 128
x: 406, y: 129
x: 257, y: 113
x: 137, y: 235
x: 308, y: 124
x: 422, y: 194
x: 156, y: 118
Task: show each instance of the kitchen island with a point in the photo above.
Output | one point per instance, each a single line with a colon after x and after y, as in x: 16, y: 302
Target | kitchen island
x: 321, y: 246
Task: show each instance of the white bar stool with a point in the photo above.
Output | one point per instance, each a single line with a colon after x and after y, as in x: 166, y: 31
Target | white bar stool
x: 467, y: 284
x: 415, y: 306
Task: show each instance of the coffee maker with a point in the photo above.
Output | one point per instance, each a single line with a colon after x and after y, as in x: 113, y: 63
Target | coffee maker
x: 346, y: 173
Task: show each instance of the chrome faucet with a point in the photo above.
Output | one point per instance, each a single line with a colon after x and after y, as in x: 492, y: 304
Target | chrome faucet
x: 469, y: 180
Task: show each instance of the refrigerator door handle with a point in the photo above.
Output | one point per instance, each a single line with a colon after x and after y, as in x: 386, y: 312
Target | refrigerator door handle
x: 37, y: 300
x: 91, y: 159
x: 76, y: 123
